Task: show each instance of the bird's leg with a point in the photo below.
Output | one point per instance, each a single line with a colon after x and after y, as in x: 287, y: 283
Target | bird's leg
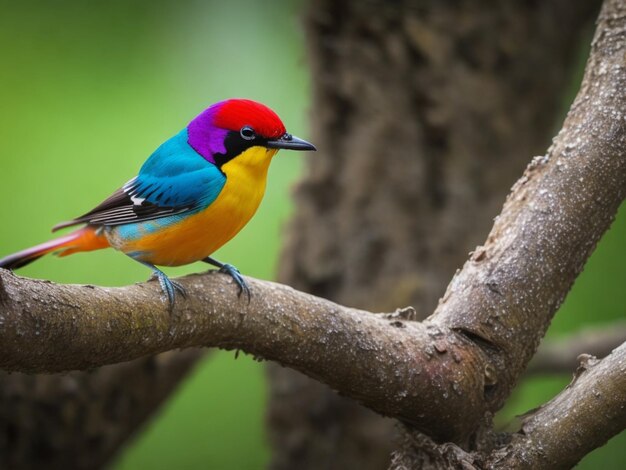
x: 168, y: 286
x: 232, y: 272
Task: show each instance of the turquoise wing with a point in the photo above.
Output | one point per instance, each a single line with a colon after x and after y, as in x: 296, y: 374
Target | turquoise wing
x: 174, y: 180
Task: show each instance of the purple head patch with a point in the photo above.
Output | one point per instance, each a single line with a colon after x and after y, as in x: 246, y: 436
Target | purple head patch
x: 207, y: 131
x: 204, y: 136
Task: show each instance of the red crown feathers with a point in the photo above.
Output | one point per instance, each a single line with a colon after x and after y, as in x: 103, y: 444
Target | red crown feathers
x: 233, y: 114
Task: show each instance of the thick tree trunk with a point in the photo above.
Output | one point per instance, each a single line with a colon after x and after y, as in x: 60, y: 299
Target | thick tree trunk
x: 424, y: 113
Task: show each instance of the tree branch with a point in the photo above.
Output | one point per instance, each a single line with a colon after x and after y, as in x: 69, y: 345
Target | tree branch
x: 590, y: 411
x: 455, y: 112
x: 441, y: 375
x: 561, y: 356
x: 79, y: 420
x: 382, y: 362
x: 506, y: 294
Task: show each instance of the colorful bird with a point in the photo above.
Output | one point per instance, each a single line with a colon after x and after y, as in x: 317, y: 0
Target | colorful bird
x: 192, y: 195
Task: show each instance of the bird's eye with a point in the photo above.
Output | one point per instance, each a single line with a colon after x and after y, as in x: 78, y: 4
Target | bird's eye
x: 247, y: 133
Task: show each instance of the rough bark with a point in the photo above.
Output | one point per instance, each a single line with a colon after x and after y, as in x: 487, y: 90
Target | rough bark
x: 512, y: 285
x: 590, y: 411
x: 380, y: 360
x: 461, y: 362
x: 424, y: 114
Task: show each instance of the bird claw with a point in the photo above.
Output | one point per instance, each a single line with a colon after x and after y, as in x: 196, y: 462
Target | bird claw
x: 169, y: 287
x: 234, y: 273
x: 179, y: 288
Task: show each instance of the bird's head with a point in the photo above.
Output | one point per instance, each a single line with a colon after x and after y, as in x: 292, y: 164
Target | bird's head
x: 243, y: 130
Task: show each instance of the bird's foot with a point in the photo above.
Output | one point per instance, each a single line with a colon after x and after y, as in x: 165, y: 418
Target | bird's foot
x: 238, y: 278
x: 169, y: 287
x: 232, y: 272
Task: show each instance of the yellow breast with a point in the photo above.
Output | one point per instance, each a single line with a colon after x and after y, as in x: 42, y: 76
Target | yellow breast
x: 198, y: 236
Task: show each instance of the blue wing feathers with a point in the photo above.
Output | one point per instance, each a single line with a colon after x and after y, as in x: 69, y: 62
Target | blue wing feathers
x: 178, y: 172
x: 174, y: 180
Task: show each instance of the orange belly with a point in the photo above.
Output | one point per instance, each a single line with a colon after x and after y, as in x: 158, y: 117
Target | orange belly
x: 197, y: 236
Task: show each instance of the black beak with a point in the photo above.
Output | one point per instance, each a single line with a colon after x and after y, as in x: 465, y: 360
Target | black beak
x: 291, y: 142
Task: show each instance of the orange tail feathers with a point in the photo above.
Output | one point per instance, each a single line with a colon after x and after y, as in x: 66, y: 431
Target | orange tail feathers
x: 84, y: 239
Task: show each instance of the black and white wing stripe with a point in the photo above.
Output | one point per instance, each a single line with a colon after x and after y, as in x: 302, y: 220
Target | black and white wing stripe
x: 132, y: 203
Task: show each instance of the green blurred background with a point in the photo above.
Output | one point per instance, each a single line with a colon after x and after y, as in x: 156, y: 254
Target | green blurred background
x: 89, y: 89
